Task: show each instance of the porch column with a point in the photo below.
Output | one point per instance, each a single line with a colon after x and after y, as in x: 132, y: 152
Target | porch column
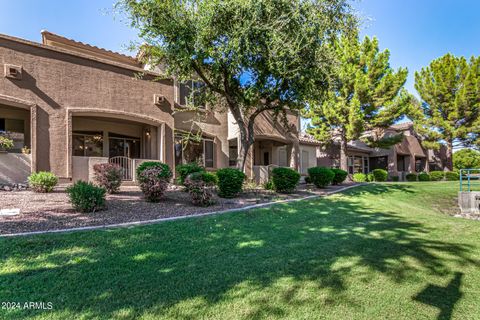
x: 294, y: 154
x: 69, y: 144
x: 105, y: 144
x: 160, y: 142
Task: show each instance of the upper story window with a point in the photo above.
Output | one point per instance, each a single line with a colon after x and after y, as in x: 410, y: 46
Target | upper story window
x: 190, y: 93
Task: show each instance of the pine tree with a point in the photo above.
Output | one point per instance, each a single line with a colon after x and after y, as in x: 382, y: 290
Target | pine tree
x: 449, y: 113
x: 365, y: 94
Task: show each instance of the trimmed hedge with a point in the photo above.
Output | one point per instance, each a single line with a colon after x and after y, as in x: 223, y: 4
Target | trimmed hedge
x: 230, y: 182
x: 42, y: 181
x: 411, y: 177
x: 380, y: 175
x: 153, y: 178
x: 321, y: 176
x: 340, y: 176
x: 285, y: 180
x: 423, y: 176
x: 86, y: 197
x: 452, y: 176
x: 437, y: 175
x: 370, y: 177
x: 359, y: 177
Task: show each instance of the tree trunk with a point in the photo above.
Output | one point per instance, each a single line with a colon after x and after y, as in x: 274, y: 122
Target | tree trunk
x: 449, y: 156
x: 343, y: 154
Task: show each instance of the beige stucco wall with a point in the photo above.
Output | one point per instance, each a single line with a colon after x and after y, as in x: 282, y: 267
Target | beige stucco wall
x: 312, y: 157
x: 14, y: 167
x: 61, y: 85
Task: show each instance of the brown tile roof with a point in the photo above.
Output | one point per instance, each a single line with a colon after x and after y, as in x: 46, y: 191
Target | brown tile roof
x: 410, y: 145
x: 305, y: 138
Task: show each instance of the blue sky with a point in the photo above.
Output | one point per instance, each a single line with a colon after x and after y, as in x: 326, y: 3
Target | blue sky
x: 415, y: 31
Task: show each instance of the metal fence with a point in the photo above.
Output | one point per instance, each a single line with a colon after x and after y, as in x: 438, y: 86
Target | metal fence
x: 469, y: 180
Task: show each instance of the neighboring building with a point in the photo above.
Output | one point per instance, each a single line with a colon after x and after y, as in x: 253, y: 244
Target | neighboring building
x: 400, y: 159
x: 74, y: 105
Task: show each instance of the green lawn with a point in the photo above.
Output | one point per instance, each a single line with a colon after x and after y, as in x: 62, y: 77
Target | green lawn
x: 375, y: 252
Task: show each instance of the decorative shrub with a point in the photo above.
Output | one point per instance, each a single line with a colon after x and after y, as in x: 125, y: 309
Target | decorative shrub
x: 108, y: 176
x: 269, y: 185
x: 199, y: 187
x: 321, y: 176
x: 423, y: 176
x: 452, y: 176
x: 359, y: 177
x: 380, y: 175
x: 308, y: 180
x: 86, y: 197
x: 154, y: 164
x: 154, y: 180
x: 230, y: 182
x: 42, y: 181
x: 285, y: 180
x: 340, y: 176
x: 437, y: 175
x: 395, y: 178
x: 411, y: 177
x: 370, y: 177
x: 184, y: 170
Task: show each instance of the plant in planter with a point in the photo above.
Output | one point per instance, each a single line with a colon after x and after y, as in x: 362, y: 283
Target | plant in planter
x: 199, y: 185
x: 5, y: 143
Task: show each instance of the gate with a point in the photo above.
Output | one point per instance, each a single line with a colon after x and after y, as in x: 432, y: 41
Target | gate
x: 126, y: 164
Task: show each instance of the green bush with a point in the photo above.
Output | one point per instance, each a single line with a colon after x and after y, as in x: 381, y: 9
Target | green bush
x: 395, y: 178
x: 42, y: 181
x: 166, y: 172
x: 230, y: 182
x: 86, y: 197
x: 423, y: 176
x: 199, y: 187
x: 285, y: 180
x: 321, y: 176
x: 370, y: 177
x: 380, y: 175
x: 308, y: 180
x: 108, y: 176
x: 5, y: 142
x: 184, y: 170
x: 437, y: 175
x: 269, y: 185
x: 452, y: 176
x: 340, y: 176
x: 411, y: 177
x: 359, y: 177
x: 153, y: 180
x: 466, y: 159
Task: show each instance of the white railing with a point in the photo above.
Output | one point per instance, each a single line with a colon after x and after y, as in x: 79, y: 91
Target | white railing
x: 127, y: 166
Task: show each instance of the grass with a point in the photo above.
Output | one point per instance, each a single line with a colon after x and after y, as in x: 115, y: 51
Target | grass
x: 374, y: 252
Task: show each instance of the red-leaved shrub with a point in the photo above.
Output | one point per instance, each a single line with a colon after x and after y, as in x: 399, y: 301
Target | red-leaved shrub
x: 108, y: 176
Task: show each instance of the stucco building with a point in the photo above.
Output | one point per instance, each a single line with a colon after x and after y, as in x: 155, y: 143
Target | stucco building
x: 69, y: 105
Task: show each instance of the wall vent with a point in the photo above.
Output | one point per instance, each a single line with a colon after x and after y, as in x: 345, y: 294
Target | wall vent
x: 13, y: 72
x: 158, y: 99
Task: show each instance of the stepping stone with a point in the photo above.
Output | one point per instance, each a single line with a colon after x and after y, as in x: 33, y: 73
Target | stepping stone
x: 9, y: 212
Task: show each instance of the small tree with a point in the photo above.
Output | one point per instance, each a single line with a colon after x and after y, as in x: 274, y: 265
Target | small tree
x: 252, y: 56
x: 450, y: 108
x: 365, y: 94
x: 466, y: 159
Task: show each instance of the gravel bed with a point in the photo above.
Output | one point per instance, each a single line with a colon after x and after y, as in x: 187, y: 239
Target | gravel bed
x: 52, y: 211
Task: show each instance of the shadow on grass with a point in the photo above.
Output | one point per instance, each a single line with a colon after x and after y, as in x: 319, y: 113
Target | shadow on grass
x: 150, y: 269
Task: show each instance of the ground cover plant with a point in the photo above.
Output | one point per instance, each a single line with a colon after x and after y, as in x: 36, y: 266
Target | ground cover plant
x: 374, y: 252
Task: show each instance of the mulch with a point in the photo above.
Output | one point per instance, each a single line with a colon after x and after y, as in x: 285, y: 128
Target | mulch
x: 52, y: 211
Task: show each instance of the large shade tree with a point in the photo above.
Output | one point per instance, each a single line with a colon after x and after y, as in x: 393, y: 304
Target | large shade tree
x: 365, y: 95
x: 253, y: 56
x: 449, y: 112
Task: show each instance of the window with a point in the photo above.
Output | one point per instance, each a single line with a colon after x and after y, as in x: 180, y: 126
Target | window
x: 419, y: 165
x: 401, y: 163
x: 356, y: 164
x: 191, y: 93
x: 189, y: 150
x: 366, y: 165
x: 379, y: 163
x: 87, y: 144
x: 232, y: 156
x: 123, y: 146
